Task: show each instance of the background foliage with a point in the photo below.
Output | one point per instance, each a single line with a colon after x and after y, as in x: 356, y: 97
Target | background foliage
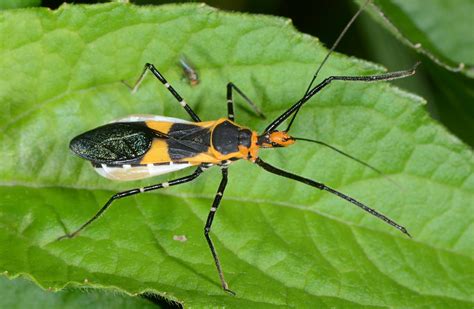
x: 60, y: 76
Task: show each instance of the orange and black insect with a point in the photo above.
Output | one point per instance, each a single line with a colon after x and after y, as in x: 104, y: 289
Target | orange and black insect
x: 142, y: 146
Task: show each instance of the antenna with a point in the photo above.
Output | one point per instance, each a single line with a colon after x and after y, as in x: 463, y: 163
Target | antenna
x: 340, y: 152
x: 349, y: 24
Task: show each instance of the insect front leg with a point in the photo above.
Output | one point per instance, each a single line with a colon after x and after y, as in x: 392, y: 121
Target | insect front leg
x: 207, y: 229
x: 133, y: 192
x: 327, y: 81
x: 274, y: 170
x: 150, y: 67
x: 230, y: 102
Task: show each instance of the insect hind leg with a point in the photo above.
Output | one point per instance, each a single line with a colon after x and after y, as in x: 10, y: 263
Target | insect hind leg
x: 150, y: 67
x: 127, y: 193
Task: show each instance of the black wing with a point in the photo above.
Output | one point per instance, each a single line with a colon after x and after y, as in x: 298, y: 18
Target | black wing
x: 120, y: 142
x: 186, y: 140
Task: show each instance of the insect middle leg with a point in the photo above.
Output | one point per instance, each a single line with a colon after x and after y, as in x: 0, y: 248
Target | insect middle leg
x: 133, y: 192
x: 150, y: 67
x: 207, y: 229
x: 230, y: 102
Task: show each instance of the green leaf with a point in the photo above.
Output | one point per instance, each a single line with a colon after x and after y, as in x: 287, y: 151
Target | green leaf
x: 449, y: 93
x: 280, y: 243
x: 20, y: 293
x: 14, y: 4
x: 441, y: 30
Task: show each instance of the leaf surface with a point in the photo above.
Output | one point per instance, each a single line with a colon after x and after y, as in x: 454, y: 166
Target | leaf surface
x: 280, y: 243
x: 442, y: 30
x: 20, y: 293
x: 14, y: 4
x: 444, y: 43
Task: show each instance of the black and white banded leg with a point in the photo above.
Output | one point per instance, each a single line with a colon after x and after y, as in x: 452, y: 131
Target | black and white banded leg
x: 207, y: 228
x: 123, y: 194
x: 274, y: 170
x: 230, y: 102
x: 309, y: 94
x: 150, y: 67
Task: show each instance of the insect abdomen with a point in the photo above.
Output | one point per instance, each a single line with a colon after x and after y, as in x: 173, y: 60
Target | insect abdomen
x: 128, y: 172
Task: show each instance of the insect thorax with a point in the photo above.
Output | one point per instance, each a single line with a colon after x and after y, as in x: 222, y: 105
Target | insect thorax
x: 231, y: 141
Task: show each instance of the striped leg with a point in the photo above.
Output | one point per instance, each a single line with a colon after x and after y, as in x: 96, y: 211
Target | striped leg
x: 274, y: 170
x: 309, y: 94
x: 151, y: 67
x: 230, y: 102
x: 133, y: 192
x: 207, y: 228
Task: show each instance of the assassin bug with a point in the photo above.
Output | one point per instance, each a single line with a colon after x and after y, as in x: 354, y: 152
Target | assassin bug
x: 142, y: 146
